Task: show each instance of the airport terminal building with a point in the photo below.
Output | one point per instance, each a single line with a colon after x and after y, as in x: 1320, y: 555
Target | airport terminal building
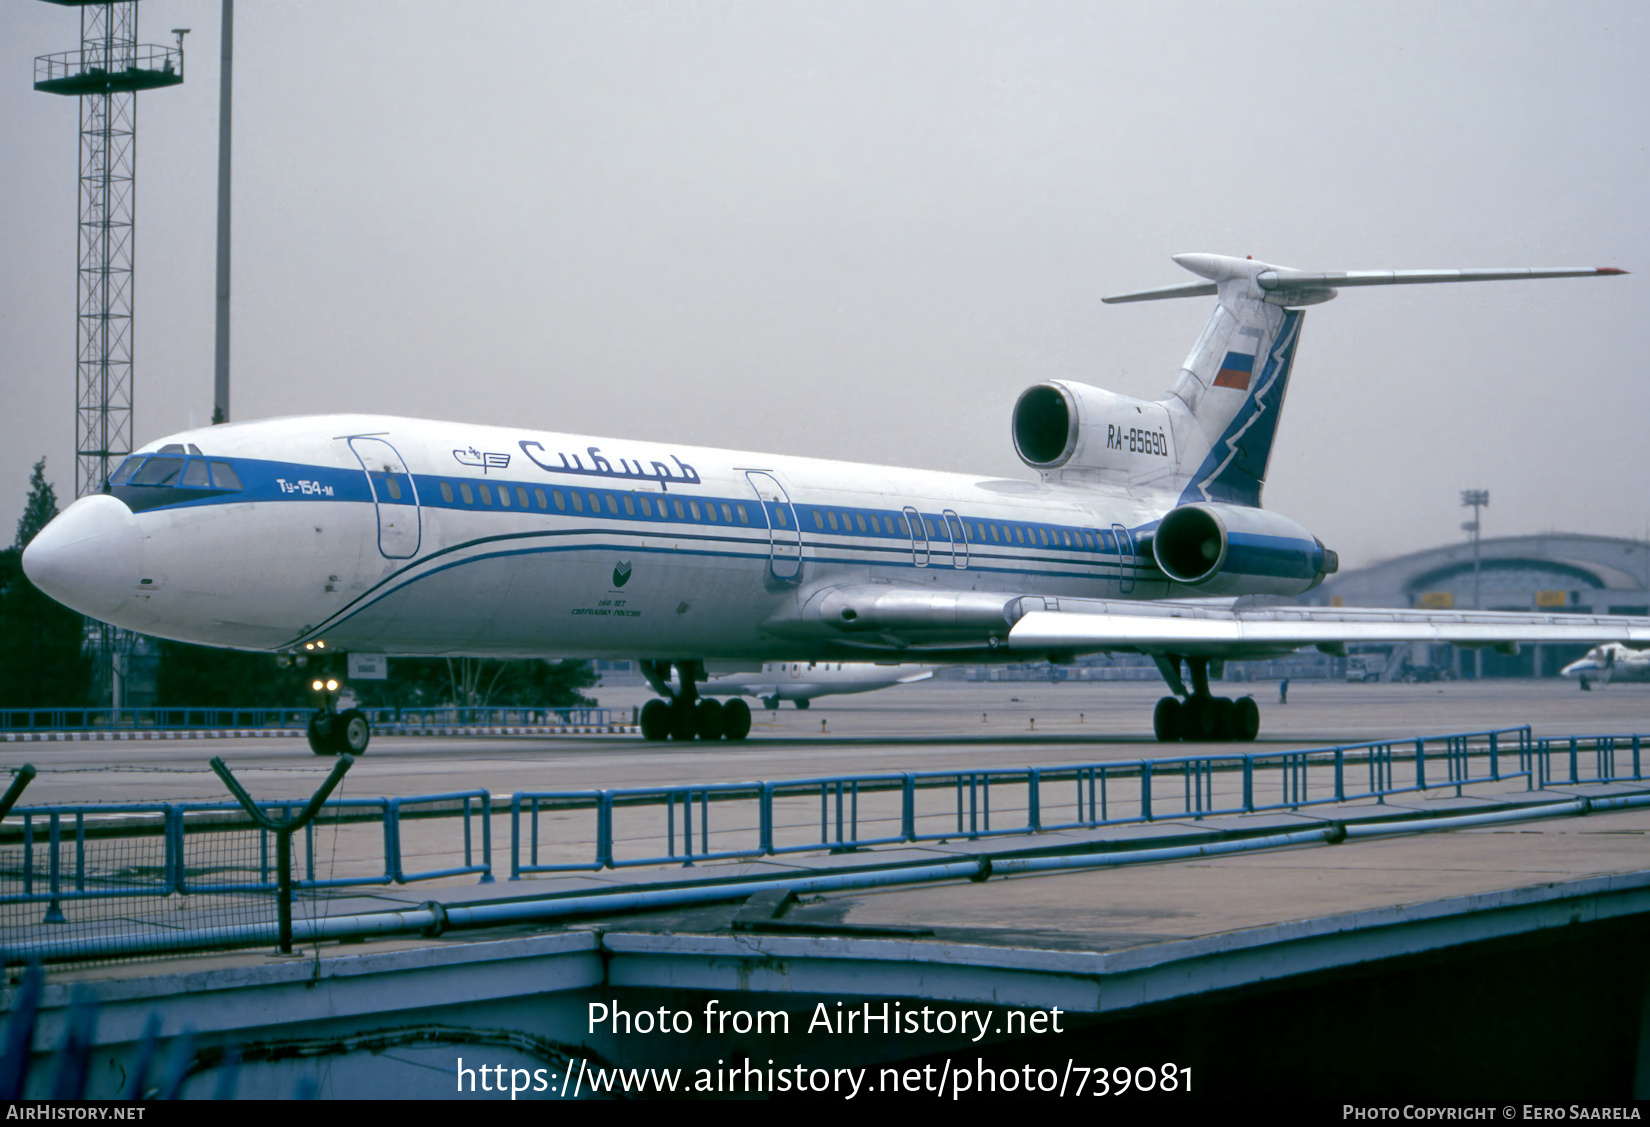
x: 1551, y: 572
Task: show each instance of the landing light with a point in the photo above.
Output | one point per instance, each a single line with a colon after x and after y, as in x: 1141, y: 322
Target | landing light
x: 332, y: 686
x: 317, y: 686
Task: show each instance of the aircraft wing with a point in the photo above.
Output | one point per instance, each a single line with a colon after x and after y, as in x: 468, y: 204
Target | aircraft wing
x: 923, y: 624
x: 1088, y: 626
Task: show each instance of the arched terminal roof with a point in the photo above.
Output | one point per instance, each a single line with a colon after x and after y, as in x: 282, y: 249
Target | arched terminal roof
x: 1554, y: 570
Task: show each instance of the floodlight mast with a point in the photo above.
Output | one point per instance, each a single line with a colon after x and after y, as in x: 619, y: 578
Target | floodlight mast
x: 105, y: 73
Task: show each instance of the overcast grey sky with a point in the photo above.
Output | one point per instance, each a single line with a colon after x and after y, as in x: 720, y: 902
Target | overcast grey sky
x: 858, y: 231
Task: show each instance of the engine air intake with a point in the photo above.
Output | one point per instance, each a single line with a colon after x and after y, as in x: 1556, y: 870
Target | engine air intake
x: 1045, y: 427
x: 1190, y: 545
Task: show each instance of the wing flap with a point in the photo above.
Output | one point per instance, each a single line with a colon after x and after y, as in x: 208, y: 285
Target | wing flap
x: 1213, y: 631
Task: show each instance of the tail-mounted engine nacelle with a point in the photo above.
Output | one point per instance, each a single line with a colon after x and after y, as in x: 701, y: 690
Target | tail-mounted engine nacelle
x: 1065, y: 425
x: 1233, y: 550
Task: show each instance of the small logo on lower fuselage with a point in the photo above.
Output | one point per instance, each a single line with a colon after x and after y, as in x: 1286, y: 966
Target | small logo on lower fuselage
x: 621, y: 575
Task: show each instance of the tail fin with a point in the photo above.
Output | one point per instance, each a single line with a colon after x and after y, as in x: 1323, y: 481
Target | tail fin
x: 1226, y: 404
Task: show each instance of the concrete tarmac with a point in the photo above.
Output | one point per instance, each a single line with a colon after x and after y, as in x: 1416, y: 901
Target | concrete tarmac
x: 1100, y: 942
x: 926, y: 726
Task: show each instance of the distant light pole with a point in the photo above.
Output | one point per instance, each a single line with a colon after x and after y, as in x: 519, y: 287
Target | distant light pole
x: 220, y: 367
x: 1477, y: 499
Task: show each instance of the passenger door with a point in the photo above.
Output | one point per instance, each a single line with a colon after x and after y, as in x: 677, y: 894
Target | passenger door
x: 919, y: 537
x: 784, y: 531
x: 959, y: 538
x: 1125, y: 559
x: 394, y: 496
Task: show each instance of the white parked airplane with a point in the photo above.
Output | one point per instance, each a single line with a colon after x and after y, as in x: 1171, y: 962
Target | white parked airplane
x: 402, y: 536
x: 1610, y: 662
x: 801, y: 681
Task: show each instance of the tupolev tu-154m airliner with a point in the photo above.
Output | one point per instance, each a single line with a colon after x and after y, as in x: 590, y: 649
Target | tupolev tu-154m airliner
x: 402, y: 536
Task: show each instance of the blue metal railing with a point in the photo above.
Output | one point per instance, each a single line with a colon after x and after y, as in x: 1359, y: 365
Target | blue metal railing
x: 88, y: 719
x: 511, y: 717
x: 1569, y: 754
x: 585, y: 830
x: 384, y: 719
x: 72, y: 877
x: 756, y: 819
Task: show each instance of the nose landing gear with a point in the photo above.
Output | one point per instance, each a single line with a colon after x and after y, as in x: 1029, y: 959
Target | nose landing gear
x: 683, y: 714
x: 332, y: 732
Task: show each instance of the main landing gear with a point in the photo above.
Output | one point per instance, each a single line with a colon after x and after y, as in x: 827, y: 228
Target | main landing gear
x: 1201, y: 716
x: 684, y: 714
x: 332, y: 732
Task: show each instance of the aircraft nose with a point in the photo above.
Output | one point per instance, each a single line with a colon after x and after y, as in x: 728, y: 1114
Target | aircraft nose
x: 89, y: 558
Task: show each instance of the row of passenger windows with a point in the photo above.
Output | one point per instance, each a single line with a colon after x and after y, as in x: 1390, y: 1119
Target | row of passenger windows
x: 978, y: 532
x: 1078, y: 538
x: 648, y: 506
x: 894, y: 526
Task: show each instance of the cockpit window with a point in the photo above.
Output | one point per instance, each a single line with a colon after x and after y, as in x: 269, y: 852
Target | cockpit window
x: 159, y: 471
x: 192, y: 473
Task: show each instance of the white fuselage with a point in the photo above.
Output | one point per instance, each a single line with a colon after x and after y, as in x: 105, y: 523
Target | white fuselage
x: 403, y: 536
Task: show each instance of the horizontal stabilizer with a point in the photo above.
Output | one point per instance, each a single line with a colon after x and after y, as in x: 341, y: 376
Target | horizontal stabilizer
x: 1281, y: 285
x: 1280, y: 279
x: 1189, y: 289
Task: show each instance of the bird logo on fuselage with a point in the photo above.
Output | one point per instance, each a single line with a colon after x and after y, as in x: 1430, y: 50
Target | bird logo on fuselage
x: 482, y: 461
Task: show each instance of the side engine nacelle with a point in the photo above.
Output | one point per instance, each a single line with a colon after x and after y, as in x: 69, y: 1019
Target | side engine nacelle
x: 1233, y: 550
x: 1060, y: 427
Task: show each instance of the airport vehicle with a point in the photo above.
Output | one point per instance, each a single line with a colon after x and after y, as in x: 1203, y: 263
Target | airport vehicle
x: 1609, y: 662
x: 1365, y: 667
x: 402, y: 536
x: 801, y: 681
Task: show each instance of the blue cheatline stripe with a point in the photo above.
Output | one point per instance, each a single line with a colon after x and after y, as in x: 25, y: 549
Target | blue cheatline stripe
x: 1274, y: 556
x: 898, y: 552
x: 403, y: 578
x: 261, y: 480
x: 267, y: 480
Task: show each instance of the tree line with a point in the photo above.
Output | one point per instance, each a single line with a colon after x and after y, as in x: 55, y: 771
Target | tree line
x: 45, y: 662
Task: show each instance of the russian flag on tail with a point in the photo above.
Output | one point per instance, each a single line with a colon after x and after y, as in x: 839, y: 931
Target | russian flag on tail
x: 1235, y: 371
